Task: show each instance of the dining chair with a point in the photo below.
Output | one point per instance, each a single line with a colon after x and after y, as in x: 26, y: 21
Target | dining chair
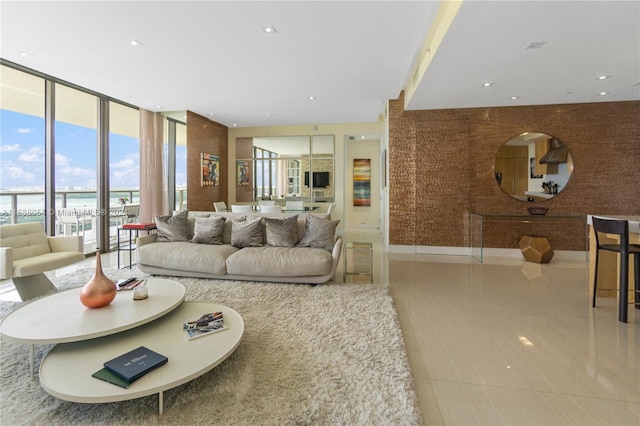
x: 132, y: 211
x: 330, y: 208
x: 621, y: 229
x: 242, y: 208
x: 294, y: 205
x: 266, y: 202
x: 220, y: 206
x: 270, y: 209
x: 69, y: 218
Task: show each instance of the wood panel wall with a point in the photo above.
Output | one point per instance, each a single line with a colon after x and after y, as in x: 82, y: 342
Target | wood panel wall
x: 441, y: 168
x: 204, y: 135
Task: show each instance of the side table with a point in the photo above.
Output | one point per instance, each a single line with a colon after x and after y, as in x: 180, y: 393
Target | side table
x: 129, y: 245
x: 358, y: 265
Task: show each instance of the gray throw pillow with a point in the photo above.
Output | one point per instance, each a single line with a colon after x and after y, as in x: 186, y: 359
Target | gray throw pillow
x: 173, y: 228
x: 319, y: 233
x: 208, y: 230
x: 282, y: 232
x: 247, y: 233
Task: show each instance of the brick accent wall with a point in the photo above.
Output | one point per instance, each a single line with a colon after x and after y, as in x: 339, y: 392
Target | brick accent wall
x: 204, y: 135
x: 441, y: 168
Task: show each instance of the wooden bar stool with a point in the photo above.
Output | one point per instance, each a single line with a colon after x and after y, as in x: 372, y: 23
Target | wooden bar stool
x: 620, y: 228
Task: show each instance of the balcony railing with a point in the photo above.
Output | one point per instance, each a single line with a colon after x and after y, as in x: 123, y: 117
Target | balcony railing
x: 28, y: 206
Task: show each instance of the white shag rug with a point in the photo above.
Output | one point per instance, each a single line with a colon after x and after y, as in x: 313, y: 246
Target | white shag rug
x: 332, y: 354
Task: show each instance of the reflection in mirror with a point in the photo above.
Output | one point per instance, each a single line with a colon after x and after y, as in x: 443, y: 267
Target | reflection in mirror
x: 533, y: 167
x: 281, y: 168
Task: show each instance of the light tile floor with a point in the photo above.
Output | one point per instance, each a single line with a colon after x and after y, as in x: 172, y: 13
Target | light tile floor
x: 504, y: 342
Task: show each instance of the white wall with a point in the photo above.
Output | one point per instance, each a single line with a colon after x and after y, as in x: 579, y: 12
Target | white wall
x: 360, y: 216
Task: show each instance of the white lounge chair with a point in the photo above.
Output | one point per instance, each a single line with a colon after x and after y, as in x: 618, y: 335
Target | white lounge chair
x: 26, y: 252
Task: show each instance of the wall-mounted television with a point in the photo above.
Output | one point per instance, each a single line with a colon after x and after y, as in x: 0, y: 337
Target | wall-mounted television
x: 320, y: 179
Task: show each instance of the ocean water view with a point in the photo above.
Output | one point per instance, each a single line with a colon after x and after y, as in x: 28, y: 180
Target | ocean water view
x: 30, y: 207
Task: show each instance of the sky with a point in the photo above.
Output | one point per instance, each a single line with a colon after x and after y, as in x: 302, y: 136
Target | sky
x: 22, y: 156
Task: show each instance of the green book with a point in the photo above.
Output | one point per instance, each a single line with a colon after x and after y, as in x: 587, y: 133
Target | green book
x: 106, y: 375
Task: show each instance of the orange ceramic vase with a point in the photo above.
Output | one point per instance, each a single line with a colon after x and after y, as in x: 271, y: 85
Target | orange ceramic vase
x: 100, y: 290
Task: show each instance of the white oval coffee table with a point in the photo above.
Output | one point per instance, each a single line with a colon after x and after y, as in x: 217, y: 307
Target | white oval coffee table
x: 61, y: 318
x: 66, y: 370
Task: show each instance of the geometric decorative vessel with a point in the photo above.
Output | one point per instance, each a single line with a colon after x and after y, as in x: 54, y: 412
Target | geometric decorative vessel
x: 100, y: 290
x: 536, y: 249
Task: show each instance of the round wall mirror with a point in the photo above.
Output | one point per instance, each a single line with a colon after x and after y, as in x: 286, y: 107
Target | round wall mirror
x: 533, y: 167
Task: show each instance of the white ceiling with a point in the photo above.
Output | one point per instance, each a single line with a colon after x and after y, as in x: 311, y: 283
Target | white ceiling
x: 212, y: 56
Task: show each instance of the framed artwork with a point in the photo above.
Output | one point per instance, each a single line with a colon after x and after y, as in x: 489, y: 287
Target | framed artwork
x: 362, y: 182
x: 210, y: 165
x: 532, y: 169
x: 243, y: 172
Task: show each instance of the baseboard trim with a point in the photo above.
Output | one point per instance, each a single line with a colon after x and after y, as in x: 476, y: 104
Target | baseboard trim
x: 444, y: 250
x: 487, y: 252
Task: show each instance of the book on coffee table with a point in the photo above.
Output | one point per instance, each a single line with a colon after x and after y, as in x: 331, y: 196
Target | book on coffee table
x: 108, y: 376
x: 136, y: 363
x: 147, y: 226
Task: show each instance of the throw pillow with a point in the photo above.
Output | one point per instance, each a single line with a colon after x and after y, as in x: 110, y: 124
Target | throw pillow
x: 208, y: 230
x: 282, y: 232
x: 173, y: 228
x: 247, y: 233
x: 319, y: 233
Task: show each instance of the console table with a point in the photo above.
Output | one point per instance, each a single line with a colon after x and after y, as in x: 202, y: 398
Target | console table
x: 517, y: 225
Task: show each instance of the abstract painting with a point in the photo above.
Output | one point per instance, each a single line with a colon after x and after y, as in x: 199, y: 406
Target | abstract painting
x: 362, y: 182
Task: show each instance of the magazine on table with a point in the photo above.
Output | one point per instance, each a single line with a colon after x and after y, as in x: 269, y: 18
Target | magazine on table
x: 207, y: 324
x: 210, y: 320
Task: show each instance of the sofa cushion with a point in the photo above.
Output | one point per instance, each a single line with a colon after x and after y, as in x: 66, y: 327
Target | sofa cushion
x: 191, y: 219
x: 173, y: 228
x: 319, y: 233
x: 247, y: 233
x: 187, y: 256
x: 279, y: 262
x: 281, y: 232
x: 208, y: 230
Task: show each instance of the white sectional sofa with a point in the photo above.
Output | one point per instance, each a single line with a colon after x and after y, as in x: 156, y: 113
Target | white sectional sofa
x: 304, y: 249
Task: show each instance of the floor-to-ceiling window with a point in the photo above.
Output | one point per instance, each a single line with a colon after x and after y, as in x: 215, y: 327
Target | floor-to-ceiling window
x: 76, y: 133
x: 22, y: 147
x: 181, y: 166
x: 48, y: 122
x: 124, y: 165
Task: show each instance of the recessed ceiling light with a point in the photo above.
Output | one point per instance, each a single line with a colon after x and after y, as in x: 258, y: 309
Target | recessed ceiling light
x: 158, y: 106
x: 234, y: 124
x: 513, y: 98
x: 212, y: 113
x: 361, y: 137
x: 487, y: 84
x: 536, y: 45
x: 136, y: 43
x: 269, y: 30
x: 311, y: 98
x: 25, y: 54
x: 269, y: 114
x: 603, y: 77
x: 603, y: 93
